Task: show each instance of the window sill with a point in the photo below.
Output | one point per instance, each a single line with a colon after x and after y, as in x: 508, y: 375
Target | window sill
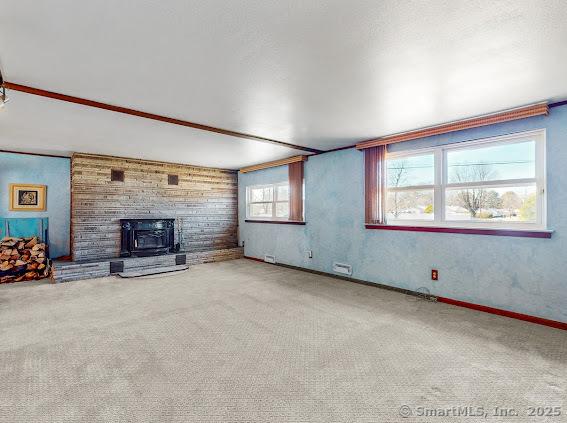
x: 523, y: 233
x: 278, y: 222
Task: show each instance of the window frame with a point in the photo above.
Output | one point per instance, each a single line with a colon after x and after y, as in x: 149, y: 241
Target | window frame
x: 429, y: 187
x: 274, y: 201
x: 441, y: 184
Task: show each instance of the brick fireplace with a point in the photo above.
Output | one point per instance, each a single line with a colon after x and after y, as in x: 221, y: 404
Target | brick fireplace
x: 107, y: 190
x: 129, y: 215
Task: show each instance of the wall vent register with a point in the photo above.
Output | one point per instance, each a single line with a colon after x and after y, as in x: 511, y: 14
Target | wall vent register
x: 270, y: 259
x: 173, y: 179
x: 117, y: 175
x: 343, y: 269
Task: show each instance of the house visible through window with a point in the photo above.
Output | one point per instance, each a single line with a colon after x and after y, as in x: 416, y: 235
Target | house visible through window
x: 268, y: 201
x: 497, y: 182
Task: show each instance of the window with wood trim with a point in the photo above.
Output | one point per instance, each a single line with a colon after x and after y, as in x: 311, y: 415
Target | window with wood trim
x: 268, y: 202
x: 283, y: 201
x: 489, y: 183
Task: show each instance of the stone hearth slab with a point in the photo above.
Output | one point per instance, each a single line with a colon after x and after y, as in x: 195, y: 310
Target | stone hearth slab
x: 153, y: 271
x: 64, y: 271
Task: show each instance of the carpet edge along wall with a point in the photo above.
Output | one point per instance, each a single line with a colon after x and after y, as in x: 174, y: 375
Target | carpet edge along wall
x: 522, y: 275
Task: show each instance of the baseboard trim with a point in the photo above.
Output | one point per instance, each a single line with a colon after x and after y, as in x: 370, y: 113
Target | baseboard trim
x: 256, y: 259
x: 346, y: 278
x: 505, y: 313
x: 485, y: 309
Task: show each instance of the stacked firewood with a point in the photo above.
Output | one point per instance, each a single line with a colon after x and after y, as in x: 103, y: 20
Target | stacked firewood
x: 22, y: 259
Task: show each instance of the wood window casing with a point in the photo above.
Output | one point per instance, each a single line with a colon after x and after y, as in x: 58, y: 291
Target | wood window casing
x: 441, y: 186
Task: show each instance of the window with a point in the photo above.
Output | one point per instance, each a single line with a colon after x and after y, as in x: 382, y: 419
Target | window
x: 410, y: 182
x: 268, y: 201
x: 497, y: 182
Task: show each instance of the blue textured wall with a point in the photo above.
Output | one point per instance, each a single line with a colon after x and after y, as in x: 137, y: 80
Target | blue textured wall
x: 51, y: 171
x: 525, y: 275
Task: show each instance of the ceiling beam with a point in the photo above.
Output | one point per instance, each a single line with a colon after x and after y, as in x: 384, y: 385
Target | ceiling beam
x: 275, y: 163
x: 146, y: 115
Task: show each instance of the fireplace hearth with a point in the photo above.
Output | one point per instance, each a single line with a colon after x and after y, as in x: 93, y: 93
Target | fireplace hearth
x: 146, y: 237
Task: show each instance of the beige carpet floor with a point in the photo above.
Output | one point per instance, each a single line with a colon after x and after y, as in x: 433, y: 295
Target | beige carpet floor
x: 242, y: 341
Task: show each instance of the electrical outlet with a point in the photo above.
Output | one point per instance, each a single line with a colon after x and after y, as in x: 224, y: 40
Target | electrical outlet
x: 309, y: 254
x: 434, y: 275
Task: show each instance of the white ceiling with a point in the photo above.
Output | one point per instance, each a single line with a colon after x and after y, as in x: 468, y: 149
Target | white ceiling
x: 41, y: 125
x: 316, y: 73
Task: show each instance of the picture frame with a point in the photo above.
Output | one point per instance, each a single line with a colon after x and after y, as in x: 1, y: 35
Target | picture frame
x: 28, y: 197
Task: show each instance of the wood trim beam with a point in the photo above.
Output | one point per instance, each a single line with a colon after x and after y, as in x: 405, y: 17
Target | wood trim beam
x: 470, y: 231
x: 146, y: 115
x: 275, y: 163
x: 506, y: 313
x: 490, y: 119
x: 277, y: 222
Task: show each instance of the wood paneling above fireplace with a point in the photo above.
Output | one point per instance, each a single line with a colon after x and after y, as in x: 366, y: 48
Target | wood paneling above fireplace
x: 205, y: 201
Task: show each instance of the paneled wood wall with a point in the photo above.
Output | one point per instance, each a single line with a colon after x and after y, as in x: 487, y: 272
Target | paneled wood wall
x: 205, y: 201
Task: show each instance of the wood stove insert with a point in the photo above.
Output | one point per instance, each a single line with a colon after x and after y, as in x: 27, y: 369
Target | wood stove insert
x: 146, y: 237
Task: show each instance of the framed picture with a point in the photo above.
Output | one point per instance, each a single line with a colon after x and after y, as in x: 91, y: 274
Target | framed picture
x: 26, y: 197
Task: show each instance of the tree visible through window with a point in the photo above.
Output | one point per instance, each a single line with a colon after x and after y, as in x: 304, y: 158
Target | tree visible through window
x: 497, y: 182
x: 410, y: 182
x: 268, y: 201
